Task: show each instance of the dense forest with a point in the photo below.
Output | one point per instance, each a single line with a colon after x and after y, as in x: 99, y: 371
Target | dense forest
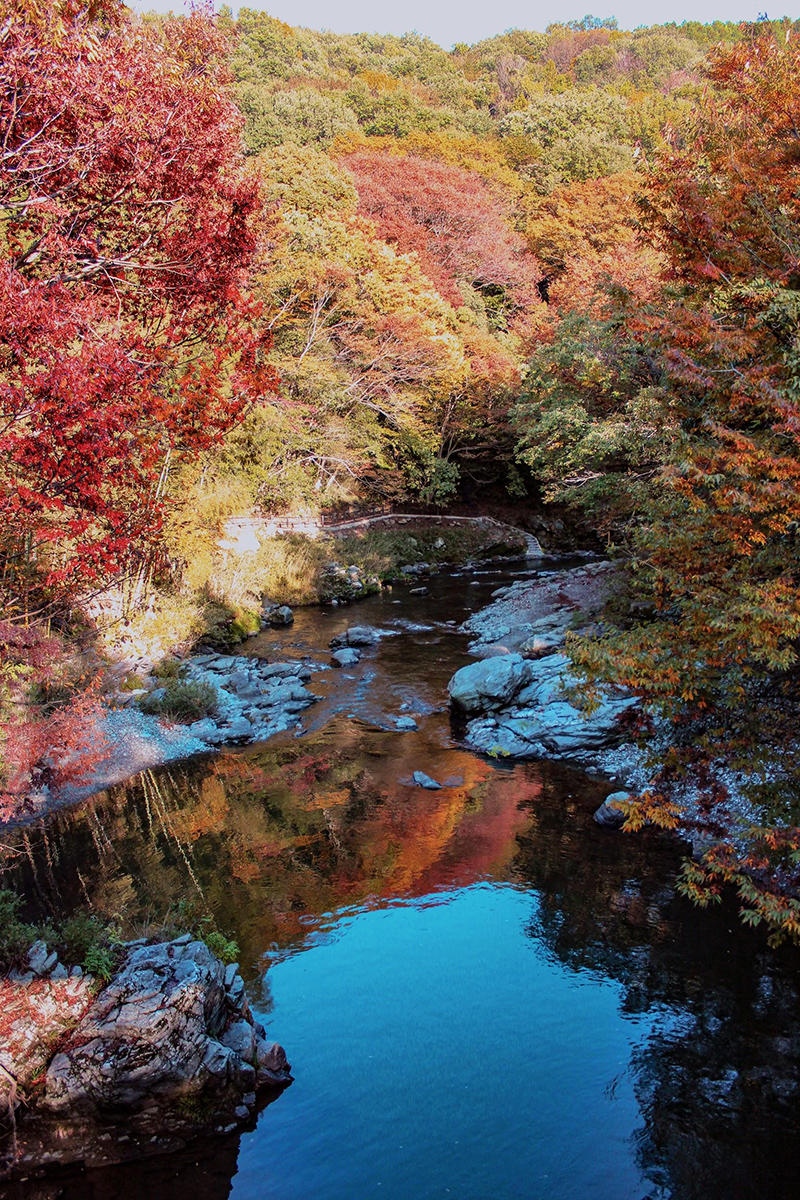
x: 248, y: 267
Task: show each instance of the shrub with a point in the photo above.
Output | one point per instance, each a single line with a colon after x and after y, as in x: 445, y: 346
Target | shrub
x: 168, y: 668
x: 182, y: 700
x: 15, y: 935
x: 79, y: 934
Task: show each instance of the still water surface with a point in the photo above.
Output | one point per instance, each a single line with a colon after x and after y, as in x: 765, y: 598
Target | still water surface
x: 483, y: 995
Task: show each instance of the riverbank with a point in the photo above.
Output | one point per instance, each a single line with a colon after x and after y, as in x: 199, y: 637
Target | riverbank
x: 257, y: 831
x: 522, y: 699
x: 173, y: 681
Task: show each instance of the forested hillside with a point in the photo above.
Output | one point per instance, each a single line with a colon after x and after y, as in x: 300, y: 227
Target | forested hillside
x: 251, y: 268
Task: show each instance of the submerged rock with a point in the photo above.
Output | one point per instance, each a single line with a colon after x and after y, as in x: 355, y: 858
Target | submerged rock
x: 357, y: 635
x: 346, y: 657
x: 424, y: 781
x: 406, y: 723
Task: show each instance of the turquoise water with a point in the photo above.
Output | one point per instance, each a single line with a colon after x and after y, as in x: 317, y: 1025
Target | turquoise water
x: 453, y: 1056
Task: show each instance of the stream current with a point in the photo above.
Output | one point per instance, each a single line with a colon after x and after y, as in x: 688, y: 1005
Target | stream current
x: 482, y: 994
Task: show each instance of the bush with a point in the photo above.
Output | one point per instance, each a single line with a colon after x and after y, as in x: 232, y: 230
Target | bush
x: 79, y: 934
x: 168, y: 668
x: 182, y: 700
x: 15, y: 935
x: 225, y: 949
x: 100, y: 961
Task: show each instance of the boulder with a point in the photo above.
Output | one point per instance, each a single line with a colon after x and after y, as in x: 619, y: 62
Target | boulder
x: 357, y: 635
x: 490, y: 684
x: 166, y: 1027
x: 520, y: 708
x: 282, y: 615
x: 482, y: 651
x: 238, y: 727
x: 541, y: 644
x: 402, y: 723
x: 282, y: 670
x: 345, y: 657
x: 611, y: 814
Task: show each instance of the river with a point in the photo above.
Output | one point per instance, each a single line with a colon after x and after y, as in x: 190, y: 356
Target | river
x: 483, y: 995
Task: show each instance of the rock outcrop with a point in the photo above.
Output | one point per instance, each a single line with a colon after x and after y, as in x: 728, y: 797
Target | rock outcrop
x: 520, y: 699
x: 518, y: 708
x: 168, y: 1048
x: 174, y: 1022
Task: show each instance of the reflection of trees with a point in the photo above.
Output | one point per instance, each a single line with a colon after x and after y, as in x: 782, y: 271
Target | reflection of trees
x: 201, y: 1171
x: 719, y: 1080
x: 266, y: 837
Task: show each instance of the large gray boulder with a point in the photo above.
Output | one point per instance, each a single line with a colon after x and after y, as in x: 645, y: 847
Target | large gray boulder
x: 173, y: 1023
x: 490, y: 684
x: 357, y: 635
x: 613, y: 812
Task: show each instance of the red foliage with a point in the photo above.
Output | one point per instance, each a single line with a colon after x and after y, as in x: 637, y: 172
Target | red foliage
x: 453, y: 220
x: 129, y: 222
x: 50, y: 750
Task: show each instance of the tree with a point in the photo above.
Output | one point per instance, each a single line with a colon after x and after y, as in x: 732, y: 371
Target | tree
x: 720, y: 550
x: 127, y: 226
x: 454, y: 222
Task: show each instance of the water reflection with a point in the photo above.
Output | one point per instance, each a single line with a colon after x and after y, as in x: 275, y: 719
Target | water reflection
x: 303, y: 847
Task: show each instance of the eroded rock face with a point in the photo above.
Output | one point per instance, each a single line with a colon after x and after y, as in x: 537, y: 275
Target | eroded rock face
x: 173, y: 1023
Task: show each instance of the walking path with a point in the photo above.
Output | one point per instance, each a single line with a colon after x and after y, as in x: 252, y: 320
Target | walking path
x: 245, y: 533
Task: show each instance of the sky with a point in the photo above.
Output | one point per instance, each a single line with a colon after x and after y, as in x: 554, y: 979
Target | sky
x: 450, y: 21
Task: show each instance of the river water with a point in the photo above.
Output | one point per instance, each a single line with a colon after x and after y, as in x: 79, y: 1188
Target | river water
x: 483, y: 995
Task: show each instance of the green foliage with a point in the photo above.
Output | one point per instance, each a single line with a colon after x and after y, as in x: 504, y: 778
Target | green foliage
x: 226, y: 949
x: 592, y: 420
x: 15, y: 935
x: 168, y: 668
x: 90, y: 942
x: 100, y: 961
x: 303, y: 116
x: 578, y: 135
x: 182, y: 700
x: 79, y: 934
x: 132, y: 682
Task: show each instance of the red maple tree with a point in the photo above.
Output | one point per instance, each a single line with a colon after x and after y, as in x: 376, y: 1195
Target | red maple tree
x: 129, y: 223
x: 454, y: 221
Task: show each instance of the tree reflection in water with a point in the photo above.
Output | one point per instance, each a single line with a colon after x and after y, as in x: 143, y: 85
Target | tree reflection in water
x: 719, y: 1093
x: 272, y: 840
